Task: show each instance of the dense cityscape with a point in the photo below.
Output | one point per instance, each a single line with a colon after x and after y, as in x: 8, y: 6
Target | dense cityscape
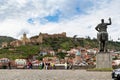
x: 37, y: 51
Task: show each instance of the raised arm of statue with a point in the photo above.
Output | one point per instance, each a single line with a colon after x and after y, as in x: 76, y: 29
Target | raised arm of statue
x: 110, y: 22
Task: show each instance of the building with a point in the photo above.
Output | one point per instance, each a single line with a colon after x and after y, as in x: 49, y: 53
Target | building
x: 38, y: 39
x: 16, y: 43
x: 24, y: 40
x: 4, y: 44
x: 77, y: 57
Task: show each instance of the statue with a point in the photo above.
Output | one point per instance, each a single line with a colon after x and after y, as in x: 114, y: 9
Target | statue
x: 102, y: 35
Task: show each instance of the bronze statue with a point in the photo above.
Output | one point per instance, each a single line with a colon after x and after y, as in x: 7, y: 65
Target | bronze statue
x: 102, y: 36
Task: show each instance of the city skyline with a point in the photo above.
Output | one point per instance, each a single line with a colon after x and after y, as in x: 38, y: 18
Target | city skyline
x: 75, y: 17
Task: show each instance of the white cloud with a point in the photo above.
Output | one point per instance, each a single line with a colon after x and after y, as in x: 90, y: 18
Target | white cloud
x: 14, y: 15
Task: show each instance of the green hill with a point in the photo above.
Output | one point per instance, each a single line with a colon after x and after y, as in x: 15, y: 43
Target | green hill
x: 67, y: 43
x: 6, y: 39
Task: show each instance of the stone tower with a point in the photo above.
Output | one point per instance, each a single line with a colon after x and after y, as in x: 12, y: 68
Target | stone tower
x: 25, y: 40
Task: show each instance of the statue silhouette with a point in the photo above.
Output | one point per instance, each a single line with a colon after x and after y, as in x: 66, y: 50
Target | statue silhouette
x: 102, y: 35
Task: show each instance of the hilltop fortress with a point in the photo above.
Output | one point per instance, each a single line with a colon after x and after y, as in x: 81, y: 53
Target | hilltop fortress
x: 38, y: 39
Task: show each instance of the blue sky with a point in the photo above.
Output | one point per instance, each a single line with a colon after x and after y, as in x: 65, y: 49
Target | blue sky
x: 75, y: 17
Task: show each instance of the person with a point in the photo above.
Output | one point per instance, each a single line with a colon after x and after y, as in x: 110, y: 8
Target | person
x: 30, y: 65
x: 102, y: 34
x: 9, y: 65
x: 46, y: 65
x: 42, y: 65
x: 52, y: 65
x: 66, y: 65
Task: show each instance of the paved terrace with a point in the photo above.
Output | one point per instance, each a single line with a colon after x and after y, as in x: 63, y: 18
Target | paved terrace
x: 36, y: 74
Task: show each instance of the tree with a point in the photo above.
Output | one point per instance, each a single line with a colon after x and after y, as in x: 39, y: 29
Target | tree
x: 65, y: 45
x: 61, y: 55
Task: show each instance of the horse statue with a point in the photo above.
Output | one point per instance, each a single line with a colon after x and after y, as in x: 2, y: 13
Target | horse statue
x: 102, y: 35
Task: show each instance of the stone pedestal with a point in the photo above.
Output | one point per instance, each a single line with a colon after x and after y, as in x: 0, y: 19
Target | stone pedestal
x: 103, y: 60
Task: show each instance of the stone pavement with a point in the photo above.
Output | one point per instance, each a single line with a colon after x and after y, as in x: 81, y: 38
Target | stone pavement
x: 25, y: 74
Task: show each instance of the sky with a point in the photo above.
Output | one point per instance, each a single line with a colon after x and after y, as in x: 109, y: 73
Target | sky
x: 75, y: 17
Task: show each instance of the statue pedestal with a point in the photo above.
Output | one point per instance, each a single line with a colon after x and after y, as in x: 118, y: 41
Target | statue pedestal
x: 103, y: 60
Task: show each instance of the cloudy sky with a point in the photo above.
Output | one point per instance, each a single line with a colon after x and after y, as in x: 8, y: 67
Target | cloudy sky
x: 75, y: 17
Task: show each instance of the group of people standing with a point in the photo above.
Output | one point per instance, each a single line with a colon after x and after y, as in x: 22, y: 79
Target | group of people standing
x: 47, y: 65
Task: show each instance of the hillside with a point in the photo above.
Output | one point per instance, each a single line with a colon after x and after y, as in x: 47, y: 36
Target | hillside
x: 6, y: 39
x: 67, y: 43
